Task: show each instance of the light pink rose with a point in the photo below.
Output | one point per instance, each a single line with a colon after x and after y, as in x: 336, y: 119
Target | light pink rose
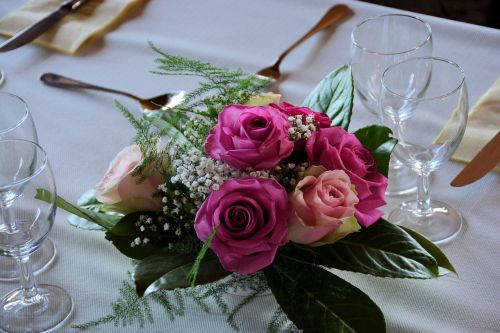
x: 334, y: 148
x: 322, y: 207
x: 119, y: 187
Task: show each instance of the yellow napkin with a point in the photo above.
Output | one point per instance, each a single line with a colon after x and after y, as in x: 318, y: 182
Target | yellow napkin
x: 93, y: 18
x: 482, y: 126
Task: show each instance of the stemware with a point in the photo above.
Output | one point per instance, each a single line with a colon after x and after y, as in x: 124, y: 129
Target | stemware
x: 26, y: 221
x: 424, y: 101
x: 377, y: 43
x: 16, y: 123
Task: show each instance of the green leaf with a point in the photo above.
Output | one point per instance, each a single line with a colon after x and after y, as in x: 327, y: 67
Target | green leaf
x: 103, y: 220
x: 377, y: 139
x: 334, y: 96
x: 319, y: 301
x: 123, y: 234
x: 88, y: 201
x: 433, y: 249
x: 170, y: 271
x: 383, y: 249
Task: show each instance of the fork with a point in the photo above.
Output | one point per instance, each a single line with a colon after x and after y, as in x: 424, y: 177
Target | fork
x: 334, y: 14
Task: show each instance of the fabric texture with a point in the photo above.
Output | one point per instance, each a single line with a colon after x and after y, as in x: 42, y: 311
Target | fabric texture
x: 82, y: 131
x: 482, y: 126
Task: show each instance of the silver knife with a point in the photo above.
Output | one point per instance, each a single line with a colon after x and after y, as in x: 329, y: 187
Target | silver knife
x: 36, y: 29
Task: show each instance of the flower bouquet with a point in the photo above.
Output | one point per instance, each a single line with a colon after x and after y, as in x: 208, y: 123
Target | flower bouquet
x: 232, y: 181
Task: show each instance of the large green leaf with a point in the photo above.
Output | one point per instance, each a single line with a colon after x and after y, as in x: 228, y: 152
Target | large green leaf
x: 123, y: 234
x: 319, y: 301
x: 105, y: 221
x: 433, y: 249
x: 377, y: 139
x: 169, y: 271
x: 383, y: 249
x: 334, y: 96
x: 88, y: 201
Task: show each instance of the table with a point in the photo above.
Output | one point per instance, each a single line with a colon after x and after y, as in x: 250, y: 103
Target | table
x: 82, y: 132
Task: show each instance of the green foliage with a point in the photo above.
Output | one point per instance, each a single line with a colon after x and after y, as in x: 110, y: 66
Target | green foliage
x: 383, y: 250
x: 129, y: 309
x: 432, y: 249
x: 377, y: 140
x: 219, y: 86
x: 105, y: 221
x: 123, y: 234
x: 88, y: 201
x: 196, y: 266
x: 171, y: 271
x: 318, y: 301
x: 334, y: 96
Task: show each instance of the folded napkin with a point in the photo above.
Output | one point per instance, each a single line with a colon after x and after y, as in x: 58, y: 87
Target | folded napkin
x: 482, y: 126
x: 93, y: 18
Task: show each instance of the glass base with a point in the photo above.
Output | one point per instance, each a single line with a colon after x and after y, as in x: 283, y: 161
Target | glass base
x: 441, y: 225
x: 2, y: 77
x: 42, y: 313
x: 401, y: 181
x: 40, y: 260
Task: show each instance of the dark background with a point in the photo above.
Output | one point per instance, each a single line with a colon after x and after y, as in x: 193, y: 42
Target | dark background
x: 481, y: 12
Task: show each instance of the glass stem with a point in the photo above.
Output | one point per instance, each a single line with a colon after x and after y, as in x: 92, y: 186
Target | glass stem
x: 27, y: 280
x: 423, y: 194
x: 26, y: 276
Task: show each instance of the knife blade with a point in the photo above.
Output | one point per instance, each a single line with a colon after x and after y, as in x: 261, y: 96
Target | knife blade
x: 483, y: 162
x: 36, y: 29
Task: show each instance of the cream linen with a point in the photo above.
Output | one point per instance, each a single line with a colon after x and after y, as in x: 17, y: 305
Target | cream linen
x: 68, y: 35
x: 482, y: 126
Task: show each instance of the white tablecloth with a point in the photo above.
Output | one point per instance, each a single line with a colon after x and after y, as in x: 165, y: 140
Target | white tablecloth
x: 82, y: 131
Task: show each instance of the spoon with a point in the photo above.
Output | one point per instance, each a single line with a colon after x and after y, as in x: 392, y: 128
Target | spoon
x: 334, y: 14
x: 164, y: 101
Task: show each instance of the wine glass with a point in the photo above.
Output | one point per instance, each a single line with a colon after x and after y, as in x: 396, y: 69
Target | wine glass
x: 377, y: 43
x: 26, y: 221
x: 16, y: 123
x: 424, y: 101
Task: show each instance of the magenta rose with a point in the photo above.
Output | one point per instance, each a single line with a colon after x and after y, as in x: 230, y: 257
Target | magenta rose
x: 322, y: 207
x: 249, y: 137
x: 334, y: 148
x: 320, y: 119
x: 251, y: 215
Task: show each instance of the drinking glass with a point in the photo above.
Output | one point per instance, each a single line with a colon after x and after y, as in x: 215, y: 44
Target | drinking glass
x: 424, y: 101
x: 26, y: 221
x: 377, y: 43
x: 16, y: 123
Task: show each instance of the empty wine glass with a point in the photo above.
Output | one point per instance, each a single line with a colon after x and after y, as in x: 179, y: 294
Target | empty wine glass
x: 26, y: 221
x: 424, y: 101
x: 16, y: 123
x: 377, y: 43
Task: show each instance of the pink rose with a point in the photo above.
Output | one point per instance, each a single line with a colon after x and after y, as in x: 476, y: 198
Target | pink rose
x: 322, y: 208
x: 119, y: 187
x: 334, y: 148
x: 251, y: 217
x: 249, y: 137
